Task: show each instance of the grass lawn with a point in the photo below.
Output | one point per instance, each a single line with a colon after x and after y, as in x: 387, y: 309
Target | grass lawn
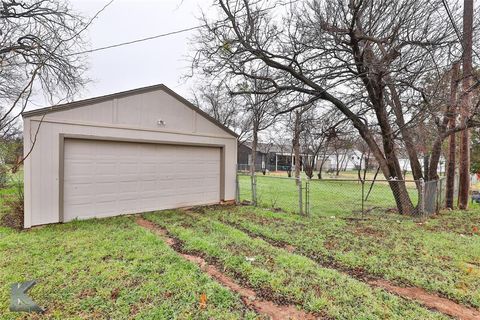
x: 108, y: 269
x: 113, y: 268
x: 283, y: 276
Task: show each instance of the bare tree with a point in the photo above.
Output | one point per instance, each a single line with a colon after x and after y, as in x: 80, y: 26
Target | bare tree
x: 341, y: 144
x: 323, y: 133
x: 366, y: 58
x: 260, y: 115
x: 299, y: 122
x: 216, y: 100
x: 260, y: 112
x: 312, y: 139
x: 38, y: 40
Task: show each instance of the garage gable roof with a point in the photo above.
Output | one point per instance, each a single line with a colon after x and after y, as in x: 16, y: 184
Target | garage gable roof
x: 85, y: 102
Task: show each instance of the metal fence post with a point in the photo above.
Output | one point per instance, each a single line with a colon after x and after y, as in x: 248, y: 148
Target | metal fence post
x: 307, y: 197
x: 300, y: 197
x: 237, y: 190
x: 422, y: 196
x: 254, y: 189
x: 441, y: 202
x: 363, y: 198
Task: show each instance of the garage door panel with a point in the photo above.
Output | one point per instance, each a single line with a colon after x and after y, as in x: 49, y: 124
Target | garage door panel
x: 106, y: 178
x: 79, y: 189
x: 148, y: 185
x: 106, y: 198
x: 147, y: 168
x: 80, y: 201
x: 80, y: 168
x: 106, y: 168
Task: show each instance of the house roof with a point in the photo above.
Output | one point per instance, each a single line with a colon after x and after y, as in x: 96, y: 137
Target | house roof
x: 122, y: 94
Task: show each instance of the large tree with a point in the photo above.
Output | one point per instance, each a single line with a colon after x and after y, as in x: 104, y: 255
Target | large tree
x: 367, y: 58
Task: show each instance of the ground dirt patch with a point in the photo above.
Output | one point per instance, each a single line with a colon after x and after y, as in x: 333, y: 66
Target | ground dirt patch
x: 249, y: 297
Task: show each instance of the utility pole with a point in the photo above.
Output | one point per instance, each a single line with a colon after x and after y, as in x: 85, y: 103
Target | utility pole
x: 464, y: 185
x: 452, y: 146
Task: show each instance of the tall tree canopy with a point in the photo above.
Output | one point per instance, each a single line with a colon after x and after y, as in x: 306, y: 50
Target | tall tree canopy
x: 369, y: 59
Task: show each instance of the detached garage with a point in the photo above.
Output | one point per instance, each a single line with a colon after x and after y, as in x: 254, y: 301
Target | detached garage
x: 130, y: 152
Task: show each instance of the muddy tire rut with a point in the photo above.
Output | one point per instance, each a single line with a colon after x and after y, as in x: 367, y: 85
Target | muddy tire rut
x: 419, y: 295
x: 250, y: 298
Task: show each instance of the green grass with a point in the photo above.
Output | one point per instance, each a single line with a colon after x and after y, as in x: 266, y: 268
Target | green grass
x: 108, y: 269
x: 284, y: 276
x: 441, y: 255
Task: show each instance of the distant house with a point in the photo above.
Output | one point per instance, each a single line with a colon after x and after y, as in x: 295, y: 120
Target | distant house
x: 344, y: 160
x: 405, y: 165
x: 244, y: 157
x: 271, y: 157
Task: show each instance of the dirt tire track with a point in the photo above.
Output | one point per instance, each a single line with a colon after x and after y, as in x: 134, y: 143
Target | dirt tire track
x: 429, y: 300
x: 248, y: 296
x: 419, y: 295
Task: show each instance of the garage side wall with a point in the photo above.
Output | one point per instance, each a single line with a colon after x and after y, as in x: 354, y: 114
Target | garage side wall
x: 43, y: 169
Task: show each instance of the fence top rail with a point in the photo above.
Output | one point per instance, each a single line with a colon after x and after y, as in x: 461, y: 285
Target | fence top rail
x: 358, y: 180
x: 336, y: 179
x: 272, y: 177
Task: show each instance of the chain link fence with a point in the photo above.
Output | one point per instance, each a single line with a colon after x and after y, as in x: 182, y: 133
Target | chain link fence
x: 270, y: 191
x: 336, y: 197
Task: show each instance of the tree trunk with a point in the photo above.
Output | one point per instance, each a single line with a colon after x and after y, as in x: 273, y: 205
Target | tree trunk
x: 320, y: 167
x: 392, y: 169
x: 435, y: 158
x: 426, y: 159
x: 309, y: 166
x: 322, y: 162
x: 450, y: 188
x: 337, y: 164
x: 346, y: 159
x: 359, y: 170
x: 464, y: 186
x: 296, y: 143
x: 320, y: 172
x: 407, y: 138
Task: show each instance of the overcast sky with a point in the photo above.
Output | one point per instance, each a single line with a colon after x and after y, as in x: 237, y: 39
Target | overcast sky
x: 152, y: 62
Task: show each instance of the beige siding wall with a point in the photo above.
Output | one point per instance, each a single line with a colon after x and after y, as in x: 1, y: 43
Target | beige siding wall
x: 142, y: 111
x: 131, y: 118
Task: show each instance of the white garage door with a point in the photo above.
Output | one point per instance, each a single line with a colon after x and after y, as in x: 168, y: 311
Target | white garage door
x: 105, y: 178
